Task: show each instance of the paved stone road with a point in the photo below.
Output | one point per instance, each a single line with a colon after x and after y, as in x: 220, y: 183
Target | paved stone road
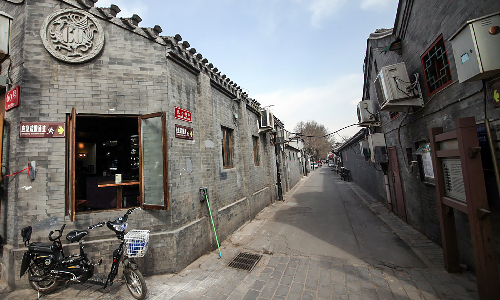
x: 297, y: 276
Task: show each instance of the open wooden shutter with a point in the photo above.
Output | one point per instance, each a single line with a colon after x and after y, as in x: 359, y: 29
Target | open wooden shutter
x: 70, y: 164
x: 153, y: 161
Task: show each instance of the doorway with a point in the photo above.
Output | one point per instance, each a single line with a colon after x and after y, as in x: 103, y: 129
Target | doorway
x: 396, y: 183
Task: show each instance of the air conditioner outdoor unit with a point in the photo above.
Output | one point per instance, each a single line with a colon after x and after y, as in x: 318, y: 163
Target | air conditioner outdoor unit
x: 378, y: 149
x: 364, y: 148
x: 394, y: 90
x: 266, y: 120
x: 5, y: 24
x: 366, y: 114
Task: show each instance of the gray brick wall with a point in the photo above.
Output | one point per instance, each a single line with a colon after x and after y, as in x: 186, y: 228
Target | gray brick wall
x: 427, y: 21
x: 134, y: 76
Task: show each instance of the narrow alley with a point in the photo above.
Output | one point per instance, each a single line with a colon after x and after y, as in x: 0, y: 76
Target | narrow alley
x: 327, y: 240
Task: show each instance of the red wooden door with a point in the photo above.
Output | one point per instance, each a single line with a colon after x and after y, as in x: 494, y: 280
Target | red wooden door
x: 396, y: 183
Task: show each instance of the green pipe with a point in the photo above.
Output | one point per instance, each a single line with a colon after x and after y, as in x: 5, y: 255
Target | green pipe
x: 211, y: 219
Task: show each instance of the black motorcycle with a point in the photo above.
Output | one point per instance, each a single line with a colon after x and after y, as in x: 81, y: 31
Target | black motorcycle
x: 47, y: 265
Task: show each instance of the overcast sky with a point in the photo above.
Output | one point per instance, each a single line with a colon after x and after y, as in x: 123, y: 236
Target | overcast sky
x: 304, y: 57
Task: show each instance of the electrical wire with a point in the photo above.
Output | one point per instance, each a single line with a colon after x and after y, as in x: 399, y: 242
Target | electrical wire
x: 397, y: 85
x: 315, y: 136
x: 401, y: 147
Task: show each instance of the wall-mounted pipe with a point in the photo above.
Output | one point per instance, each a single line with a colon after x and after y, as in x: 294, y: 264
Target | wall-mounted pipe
x: 388, y: 191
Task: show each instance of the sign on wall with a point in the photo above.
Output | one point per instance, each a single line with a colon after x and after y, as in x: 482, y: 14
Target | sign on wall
x: 12, y: 98
x: 183, y: 132
x: 42, y: 130
x: 182, y: 114
x: 453, y: 179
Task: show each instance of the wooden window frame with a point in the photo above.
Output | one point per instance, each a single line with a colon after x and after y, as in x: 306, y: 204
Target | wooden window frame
x: 227, y: 142
x: 447, y: 67
x: 71, y: 165
x: 166, y: 202
x: 393, y: 114
x: 256, y: 154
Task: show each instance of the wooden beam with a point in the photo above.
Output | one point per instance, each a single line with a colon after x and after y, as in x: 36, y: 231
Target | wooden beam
x: 446, y: 218
x: 447, y: 153
x: 480, y: 224
x: 450, y: 135
x: 455, y: 204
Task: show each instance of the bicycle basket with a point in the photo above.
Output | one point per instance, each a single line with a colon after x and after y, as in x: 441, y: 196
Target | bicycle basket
x: 137, y: 243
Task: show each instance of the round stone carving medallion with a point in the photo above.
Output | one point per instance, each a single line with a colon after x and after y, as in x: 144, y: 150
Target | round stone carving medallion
x: 72, y: 35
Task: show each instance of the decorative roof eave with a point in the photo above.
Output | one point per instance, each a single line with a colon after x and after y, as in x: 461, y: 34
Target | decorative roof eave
x: 179, y: 51
x: 360, y: 134
x: 253, y: 106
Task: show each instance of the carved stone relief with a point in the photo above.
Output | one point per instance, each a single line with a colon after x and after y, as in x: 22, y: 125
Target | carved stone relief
x: 72, y: 35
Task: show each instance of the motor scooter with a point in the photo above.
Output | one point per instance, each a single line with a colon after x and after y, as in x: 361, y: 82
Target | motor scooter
x: 47, y: 265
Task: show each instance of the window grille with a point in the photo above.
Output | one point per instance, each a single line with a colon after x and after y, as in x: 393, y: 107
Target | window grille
x: 436, y: 67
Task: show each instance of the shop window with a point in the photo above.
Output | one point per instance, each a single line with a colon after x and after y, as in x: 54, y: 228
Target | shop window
x: 256, y: 157
x: 115, y: 162
x: 227, y: 147
x: 436, y: 67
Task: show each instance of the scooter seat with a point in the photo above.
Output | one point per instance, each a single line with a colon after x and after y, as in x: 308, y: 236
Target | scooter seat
x: 41, y: 247
x: 76, y: 235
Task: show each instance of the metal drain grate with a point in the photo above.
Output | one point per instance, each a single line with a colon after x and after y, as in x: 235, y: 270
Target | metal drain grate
x: 245, y: 261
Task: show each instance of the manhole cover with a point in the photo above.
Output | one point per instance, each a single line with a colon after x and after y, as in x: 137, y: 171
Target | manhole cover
x: 245, y: 261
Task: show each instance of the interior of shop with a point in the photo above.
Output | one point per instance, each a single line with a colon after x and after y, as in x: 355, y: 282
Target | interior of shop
x: 107, y: 162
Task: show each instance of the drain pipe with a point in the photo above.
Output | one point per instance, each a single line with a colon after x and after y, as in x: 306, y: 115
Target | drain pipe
x: 388, y: 191
x: 278, y: 175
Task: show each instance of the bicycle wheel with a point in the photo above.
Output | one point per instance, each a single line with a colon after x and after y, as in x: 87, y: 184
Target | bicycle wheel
x: 44, y: 286
x: 135, y: 283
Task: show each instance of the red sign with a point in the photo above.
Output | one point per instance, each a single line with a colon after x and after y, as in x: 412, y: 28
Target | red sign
x: 12, y: 98
x: 183, y: 132
x: 182, y: 114
x: 42, y: 130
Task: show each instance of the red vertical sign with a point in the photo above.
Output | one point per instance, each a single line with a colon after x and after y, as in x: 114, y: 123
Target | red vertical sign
x: 12, y: 98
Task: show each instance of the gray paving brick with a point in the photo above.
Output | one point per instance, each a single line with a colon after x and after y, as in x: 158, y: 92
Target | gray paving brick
x: 309, y: 295
x: 369, y: 295
x: 290, y: 271
x: 268, y: 292
x: 293, y: 263
x: 258, y: 285
x: 313, y: 274
x: 339, y: 289
x: 273, y: 283
x: 284, y: 260
x: 273, y: 262
x: 352, y: 296
x: 286, y: 280
x: 282, y: 290
x: 300, y: 277
x: 312, y: 284
x: 384, y: 293
x: 277, y: 274
x: 325, y: 292
x: 280, y: 267
x: 251, y: 295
